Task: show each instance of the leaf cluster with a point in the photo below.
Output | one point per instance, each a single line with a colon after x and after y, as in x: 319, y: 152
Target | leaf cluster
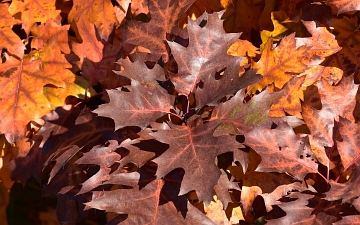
x: 184, y: 112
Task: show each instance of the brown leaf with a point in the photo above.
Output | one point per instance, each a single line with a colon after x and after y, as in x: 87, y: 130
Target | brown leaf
x: 282, y: 151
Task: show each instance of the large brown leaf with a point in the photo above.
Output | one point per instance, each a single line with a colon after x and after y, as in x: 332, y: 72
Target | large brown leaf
x: 201, y: 58
x: 282, y: 151
x: 321, y: 122
x: 144, y: 107
x: 164, y: 21
x: 194, y: 148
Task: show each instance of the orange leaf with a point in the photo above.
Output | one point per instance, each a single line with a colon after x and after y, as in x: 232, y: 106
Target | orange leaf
x: 90, y: 48
x: 21, y: 90
x: 278, y: 65
x: 48, y: 31
x: 33, y: 11
x: 331, y: 74
x: 290, y: 99
x: 98, y: 12
x: 243, y: 48
x: 9, y: 39
x: 322, y: 42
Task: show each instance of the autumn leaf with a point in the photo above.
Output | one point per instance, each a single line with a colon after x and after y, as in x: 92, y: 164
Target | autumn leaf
x: 347, y: 35
x: 75, y: 86
x: 242, y: 16
x: 10, y: 40
x: 103, y: 71
x: 47, y: 32
x: 206, y: 45
x: 148, y: 104
x: 33, y: 11
x: 278, y: 65
x: 245, y: 116
x: 322, y: 42
x: 164, y: 20
x: 149, y: 195
x: 344, y: 6
x: 22, y: 83
x: 192, y: 145
x: 290, y: 99
x: 102, y: 156
x: 291, y: 154
x: 90, y: 48
x: 321, y: 122
x: 100, y: 13
x: 243, y: 48
x: 282, y: 26
x: 332, y: 75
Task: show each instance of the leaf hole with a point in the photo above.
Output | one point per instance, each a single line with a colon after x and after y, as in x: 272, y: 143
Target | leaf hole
x: 301, y: 156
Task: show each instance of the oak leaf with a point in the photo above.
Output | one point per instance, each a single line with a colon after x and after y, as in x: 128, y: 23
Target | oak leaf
x: 321, y: 122
x: 21, y: 85
x: 322, y: 42
x: 246, y: 115
x: 200, y: 59
x: 193, y: 148
x: 90, y: 48
x: 278, y: 65
x: 164, y: 20
x: 46, y: 32
x: 10, y: 40
x: 283, y: 151
x: 347, y: 35
x: 290, y: 99
x: 147, y: 105
x: 102, y: 156
x: 33, y: 11
x: 98, y: 12
x: 344, y: 5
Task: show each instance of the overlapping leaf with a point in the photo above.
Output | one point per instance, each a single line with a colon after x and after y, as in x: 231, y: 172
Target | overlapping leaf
x: 100, y: 13
x: 200, y: 58
x: 346, y: 31
x: 149, y: 100
x: 194, y: 148
x: 21, y: 85
x: 33, y: 11
x: 164, y: 20
x: 278, y: 65
x: 283, y: 151
x: 10, y: 40
x: 344, y: 5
